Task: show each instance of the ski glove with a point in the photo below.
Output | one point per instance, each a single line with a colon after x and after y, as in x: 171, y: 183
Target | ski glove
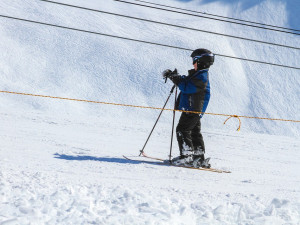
x: 169, y: 73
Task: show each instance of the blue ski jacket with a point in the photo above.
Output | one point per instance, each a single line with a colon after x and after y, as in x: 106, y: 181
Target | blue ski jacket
x: 194, y: 91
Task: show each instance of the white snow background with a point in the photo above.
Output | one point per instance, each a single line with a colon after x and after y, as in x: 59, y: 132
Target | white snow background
x: 61, y: 161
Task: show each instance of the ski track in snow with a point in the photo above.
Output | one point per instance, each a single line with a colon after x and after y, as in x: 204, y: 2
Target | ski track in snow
x: 63, y: 176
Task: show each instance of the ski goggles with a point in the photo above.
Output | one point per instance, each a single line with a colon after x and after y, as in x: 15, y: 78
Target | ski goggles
x: 195, y: 59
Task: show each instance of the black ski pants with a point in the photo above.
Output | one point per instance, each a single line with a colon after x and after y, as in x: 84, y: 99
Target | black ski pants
x: 188, y: 133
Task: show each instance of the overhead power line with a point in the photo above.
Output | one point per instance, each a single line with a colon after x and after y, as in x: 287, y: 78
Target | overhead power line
x: 168, y: 24
x: 207, y: 17
x: 225, y: 17
x: 142, y: 41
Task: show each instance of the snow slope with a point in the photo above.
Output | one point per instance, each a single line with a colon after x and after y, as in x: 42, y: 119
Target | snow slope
x: 61, y: 161
x: 53, y: 61
x: 72, y: 171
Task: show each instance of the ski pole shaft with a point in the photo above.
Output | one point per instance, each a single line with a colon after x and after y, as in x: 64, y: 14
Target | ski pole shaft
x: 157, y: 119
x: 170, y: 155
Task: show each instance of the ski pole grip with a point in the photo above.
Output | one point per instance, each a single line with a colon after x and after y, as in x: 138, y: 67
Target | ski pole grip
x: 173, y: 88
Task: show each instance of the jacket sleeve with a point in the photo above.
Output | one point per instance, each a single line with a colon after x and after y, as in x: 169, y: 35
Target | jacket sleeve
x: 195, y: 84
x: 184, y: 84
x: 190, y: 85
x: 177, y: 79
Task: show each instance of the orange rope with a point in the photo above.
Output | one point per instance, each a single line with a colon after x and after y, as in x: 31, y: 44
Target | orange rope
x: 236, y: 116
x: 148, y: 107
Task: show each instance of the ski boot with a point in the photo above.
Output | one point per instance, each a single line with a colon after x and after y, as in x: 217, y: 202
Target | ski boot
x: 182, y: 160
x: 201, y: 162
x: 199, y: 159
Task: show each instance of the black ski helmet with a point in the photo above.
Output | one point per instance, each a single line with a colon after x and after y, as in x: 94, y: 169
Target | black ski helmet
x: 203, y: 57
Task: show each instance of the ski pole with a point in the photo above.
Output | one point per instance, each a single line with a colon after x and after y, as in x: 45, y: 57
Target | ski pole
x: 142, y: 151
x: 170, y: 155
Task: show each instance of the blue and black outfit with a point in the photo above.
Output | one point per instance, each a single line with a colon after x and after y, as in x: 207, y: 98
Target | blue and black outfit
x: 194, y: 96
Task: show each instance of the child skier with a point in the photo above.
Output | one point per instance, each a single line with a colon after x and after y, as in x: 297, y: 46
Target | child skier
x: 194, y: 96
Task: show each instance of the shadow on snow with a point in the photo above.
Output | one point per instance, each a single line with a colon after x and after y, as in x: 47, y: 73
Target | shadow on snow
x: 101, y: 159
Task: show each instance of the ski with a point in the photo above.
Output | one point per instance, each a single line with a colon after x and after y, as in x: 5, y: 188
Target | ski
x: 149, y: 157
x: 163, y: 162
x: 138, y: 159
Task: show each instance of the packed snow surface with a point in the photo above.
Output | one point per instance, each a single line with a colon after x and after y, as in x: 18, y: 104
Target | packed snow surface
x: 61, y: 161
x: 71, y: 170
